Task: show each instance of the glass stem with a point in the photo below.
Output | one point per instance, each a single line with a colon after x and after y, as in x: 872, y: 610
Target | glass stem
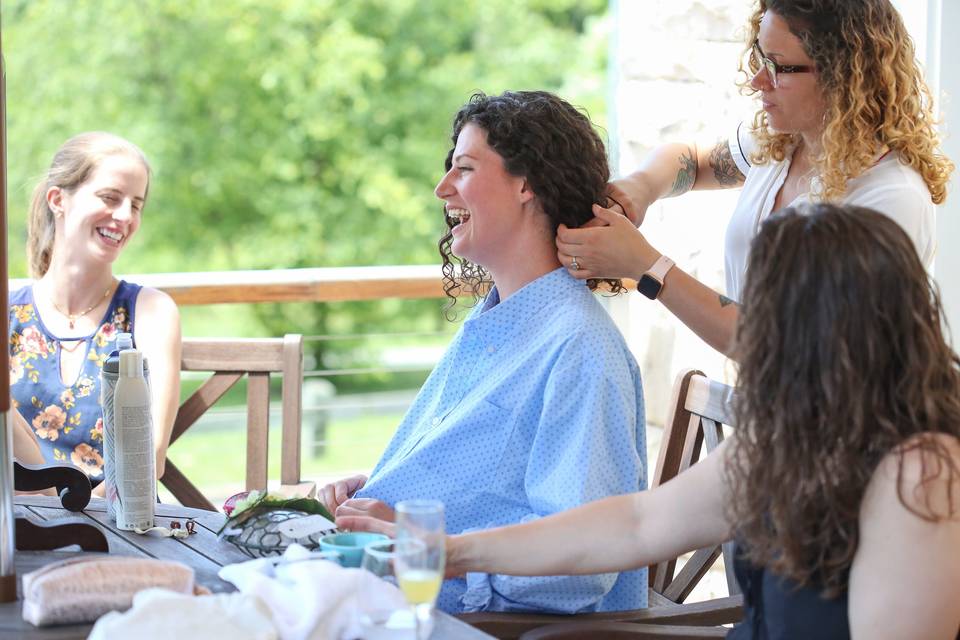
x: 421, y: 614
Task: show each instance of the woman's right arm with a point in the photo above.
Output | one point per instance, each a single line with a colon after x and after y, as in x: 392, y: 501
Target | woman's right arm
x: 25, y: 447
x: 614, y: 248
x: 633, y: 530
x: 672, y: 170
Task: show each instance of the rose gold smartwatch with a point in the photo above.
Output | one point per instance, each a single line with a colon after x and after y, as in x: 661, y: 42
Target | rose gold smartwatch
x: 651, y: 282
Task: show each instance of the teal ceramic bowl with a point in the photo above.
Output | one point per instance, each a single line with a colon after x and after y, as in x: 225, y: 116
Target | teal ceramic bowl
x: 349, y: 545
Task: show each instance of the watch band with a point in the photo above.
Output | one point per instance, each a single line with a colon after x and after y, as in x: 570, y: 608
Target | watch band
x: 651, y: 282
x: 660, y: 268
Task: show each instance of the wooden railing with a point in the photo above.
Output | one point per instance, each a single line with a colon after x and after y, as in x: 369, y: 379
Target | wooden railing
x: 325, y: 284
x: 317, y: 285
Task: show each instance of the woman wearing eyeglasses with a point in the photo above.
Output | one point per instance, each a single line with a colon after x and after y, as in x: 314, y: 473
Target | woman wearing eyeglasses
x: 845, y: 116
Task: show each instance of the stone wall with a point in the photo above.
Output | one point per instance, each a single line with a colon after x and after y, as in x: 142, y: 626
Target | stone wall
x: 675, y: 65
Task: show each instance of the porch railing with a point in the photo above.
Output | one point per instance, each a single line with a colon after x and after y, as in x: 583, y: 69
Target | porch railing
x: 324, y: 284
x: 322, y: 406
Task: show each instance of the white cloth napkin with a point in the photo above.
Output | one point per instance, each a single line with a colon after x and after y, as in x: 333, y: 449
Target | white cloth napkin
x: 160, y: 614
x: 313, y: 599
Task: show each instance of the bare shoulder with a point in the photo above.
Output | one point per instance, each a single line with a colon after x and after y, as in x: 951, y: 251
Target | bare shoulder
x: 922, y: 476
x: 156, y: 303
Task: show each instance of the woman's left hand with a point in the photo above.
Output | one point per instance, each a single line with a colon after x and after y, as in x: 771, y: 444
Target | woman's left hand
x: 609, y: 246
x: 366, y: 514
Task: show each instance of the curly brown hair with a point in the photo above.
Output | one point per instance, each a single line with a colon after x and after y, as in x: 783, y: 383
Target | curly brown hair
x: 842, y: 361
x: 876, y: 98
x: 545, y: 139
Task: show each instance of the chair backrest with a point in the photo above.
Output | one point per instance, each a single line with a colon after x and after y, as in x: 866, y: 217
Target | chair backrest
x: 229, y: 360
x: 700, y: 407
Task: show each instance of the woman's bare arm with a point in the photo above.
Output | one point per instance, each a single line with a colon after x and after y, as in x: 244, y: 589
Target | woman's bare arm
x: 613, y: 534
x: 614, y: 248
x: 157, y: 328
x: 25, y: 446
x: 672, y: 170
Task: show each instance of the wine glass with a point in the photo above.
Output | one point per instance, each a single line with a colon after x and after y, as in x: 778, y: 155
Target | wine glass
x: 381, y: 622
x: 420, y: 555
x: 378, y: 559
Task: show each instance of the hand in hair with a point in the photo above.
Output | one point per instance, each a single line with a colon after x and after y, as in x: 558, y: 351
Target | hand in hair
x: 620, y: 201
x: 609, y: 246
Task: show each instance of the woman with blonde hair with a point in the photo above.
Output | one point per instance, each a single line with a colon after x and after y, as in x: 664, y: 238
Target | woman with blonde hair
x: 63, y: 326
x: 845, y: 117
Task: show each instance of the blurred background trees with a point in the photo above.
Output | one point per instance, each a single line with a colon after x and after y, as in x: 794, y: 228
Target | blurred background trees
x: 283, y: 133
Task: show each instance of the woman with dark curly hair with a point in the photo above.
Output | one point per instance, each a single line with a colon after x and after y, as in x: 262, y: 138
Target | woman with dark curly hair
x: 841, y: 483
x: 534, y: 149
x: 537, y: 405
x: 845, y: 117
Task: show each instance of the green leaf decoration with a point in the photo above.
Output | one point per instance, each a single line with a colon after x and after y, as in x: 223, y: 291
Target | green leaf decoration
x: 258, y: 502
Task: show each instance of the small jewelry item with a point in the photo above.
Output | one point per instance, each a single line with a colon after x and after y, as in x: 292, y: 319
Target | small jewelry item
x: 73, y: 317
x: 175, y: 530
x: 574, y: 264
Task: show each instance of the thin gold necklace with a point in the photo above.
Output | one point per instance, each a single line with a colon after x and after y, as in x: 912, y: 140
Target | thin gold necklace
x: 76, y: 345
x: 73, y: 317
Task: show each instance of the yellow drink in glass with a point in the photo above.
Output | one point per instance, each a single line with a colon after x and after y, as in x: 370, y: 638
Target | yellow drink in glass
x: 420, y: 586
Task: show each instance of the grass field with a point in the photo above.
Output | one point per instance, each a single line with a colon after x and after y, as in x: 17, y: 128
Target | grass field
x: 215, y: 459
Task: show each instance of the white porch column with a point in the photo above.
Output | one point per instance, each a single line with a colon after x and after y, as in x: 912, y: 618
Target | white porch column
x: 943, y: 52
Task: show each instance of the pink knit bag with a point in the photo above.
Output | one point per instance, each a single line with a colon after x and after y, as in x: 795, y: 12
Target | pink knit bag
x: 83, y: 589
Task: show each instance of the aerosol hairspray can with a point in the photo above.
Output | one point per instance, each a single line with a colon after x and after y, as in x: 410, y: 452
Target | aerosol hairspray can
x: 134, y: 456
x: 108, y: 382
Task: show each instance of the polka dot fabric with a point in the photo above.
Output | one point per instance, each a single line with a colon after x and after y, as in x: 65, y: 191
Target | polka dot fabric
x: 536, y: 407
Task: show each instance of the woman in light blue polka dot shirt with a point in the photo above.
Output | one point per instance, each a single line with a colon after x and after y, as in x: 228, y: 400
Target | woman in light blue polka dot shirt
x: 841, y: 484
x: 537, y: 405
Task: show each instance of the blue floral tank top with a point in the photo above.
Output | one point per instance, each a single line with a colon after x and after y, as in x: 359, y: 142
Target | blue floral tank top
x: 66, y: 418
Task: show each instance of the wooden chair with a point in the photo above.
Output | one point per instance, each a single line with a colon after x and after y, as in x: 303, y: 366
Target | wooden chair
x: 699, y: 409
x: 622, y: 631
x: 229, y: 360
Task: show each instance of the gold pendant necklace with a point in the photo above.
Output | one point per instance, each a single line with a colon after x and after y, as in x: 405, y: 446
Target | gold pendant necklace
x: 73, y: 317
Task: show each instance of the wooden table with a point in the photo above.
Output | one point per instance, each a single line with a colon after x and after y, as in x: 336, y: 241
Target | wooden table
x: 202, y: 551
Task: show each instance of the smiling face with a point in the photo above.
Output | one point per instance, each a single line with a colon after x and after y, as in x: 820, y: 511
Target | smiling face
x: 797, y: 104
x: 103, y: 213
x: 486, y: 200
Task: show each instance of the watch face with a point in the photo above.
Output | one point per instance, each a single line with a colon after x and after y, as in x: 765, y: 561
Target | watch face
x: 649, y: 286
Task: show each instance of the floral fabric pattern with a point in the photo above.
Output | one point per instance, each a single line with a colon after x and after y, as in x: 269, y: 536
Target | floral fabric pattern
x: 66, y: 418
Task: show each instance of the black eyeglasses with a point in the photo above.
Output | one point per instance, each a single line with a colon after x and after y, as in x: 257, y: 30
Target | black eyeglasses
x: 775, y: 69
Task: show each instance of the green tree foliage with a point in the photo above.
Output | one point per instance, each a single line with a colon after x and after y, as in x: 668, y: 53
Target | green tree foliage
x: 283, y: 133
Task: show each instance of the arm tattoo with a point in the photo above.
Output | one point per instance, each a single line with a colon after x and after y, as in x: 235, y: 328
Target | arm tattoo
x: 725, y: 170
x: 726, y: 302
x: 686, y: 176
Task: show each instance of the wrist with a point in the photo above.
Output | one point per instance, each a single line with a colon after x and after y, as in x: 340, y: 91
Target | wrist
x: 636, y: 194
x: 653, y: 280
x: 457, y: 552
x: 648, y: 258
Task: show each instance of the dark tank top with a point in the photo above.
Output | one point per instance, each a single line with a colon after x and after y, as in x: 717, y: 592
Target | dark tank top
x: 775, y: 609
